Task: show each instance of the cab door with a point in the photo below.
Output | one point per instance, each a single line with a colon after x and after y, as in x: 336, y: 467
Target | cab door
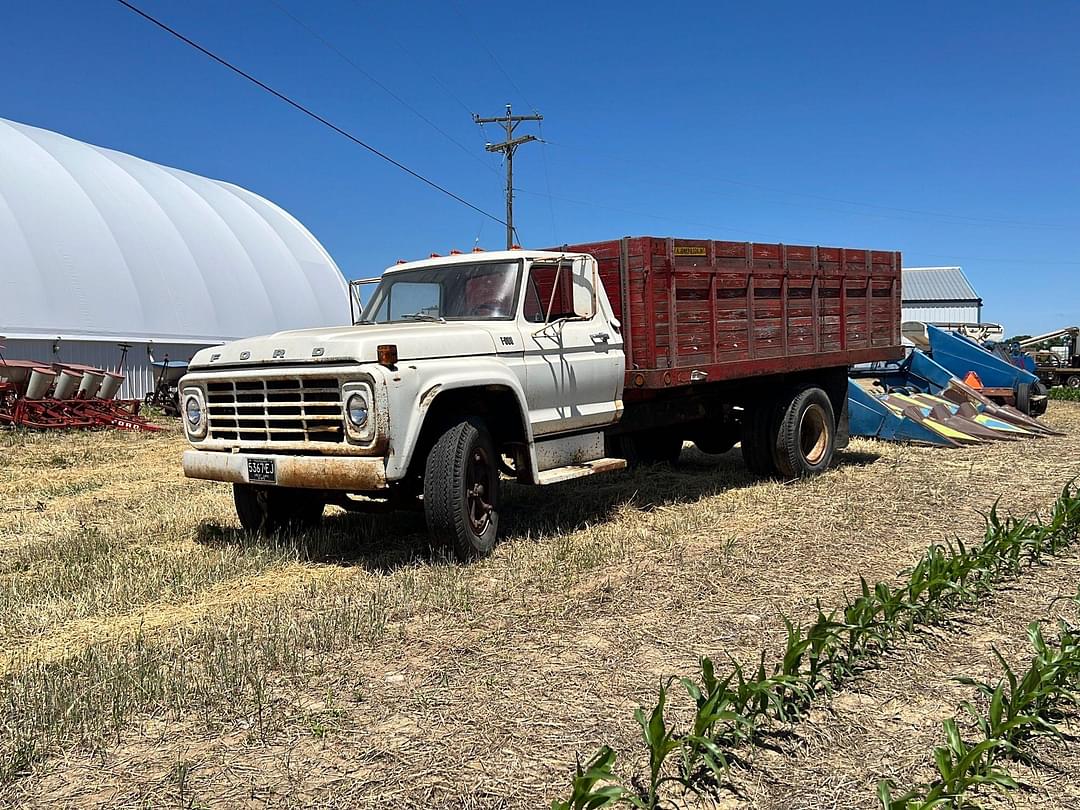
x: 574, y: 361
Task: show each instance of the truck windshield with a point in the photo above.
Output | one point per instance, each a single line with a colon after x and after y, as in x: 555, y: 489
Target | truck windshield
x: 484, y: 291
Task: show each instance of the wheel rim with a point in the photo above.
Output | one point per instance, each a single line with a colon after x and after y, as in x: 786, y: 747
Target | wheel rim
x: 1073, y: 382
x: 813, y: 434
x: 479, y: 490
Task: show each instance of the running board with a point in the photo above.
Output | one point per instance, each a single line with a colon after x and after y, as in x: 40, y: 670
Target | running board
x: 572, y: 471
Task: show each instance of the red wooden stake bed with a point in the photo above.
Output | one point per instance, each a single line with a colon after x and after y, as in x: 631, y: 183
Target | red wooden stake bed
x: 699, y: 310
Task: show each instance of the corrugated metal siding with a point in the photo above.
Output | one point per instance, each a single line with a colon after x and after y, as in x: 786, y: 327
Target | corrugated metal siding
x: 140, y: 377
x: 962, y: 314
x: 937, y: 284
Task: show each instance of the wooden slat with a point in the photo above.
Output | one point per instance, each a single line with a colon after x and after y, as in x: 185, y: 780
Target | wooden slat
x: 720, y: 302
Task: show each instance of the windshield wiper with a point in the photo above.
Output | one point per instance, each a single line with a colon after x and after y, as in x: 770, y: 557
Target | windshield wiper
x: 424, y: 316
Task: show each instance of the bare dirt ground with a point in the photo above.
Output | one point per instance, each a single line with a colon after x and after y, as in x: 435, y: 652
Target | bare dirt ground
x: 156, y: 656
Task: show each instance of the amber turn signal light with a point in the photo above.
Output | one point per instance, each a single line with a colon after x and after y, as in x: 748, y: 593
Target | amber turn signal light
x: 387, y: 354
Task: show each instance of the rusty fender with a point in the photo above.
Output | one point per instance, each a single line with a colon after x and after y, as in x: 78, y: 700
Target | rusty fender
x: 310, y: 472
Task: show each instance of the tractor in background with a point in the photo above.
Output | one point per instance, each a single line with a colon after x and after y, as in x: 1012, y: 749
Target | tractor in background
x: 1056, y: 365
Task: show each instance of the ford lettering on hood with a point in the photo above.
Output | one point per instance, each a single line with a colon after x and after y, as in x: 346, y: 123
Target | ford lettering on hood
x: 358, y: 344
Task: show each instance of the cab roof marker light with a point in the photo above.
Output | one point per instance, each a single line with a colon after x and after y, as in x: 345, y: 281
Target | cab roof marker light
x: 401, y: 261
x: 434, y: 256
x: 455, y: 252
x: 477, y: 249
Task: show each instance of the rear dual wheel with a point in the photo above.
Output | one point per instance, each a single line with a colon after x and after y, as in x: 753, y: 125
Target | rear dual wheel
x: 758, y: 438
x: 791, y: 438
x: 806, y: 436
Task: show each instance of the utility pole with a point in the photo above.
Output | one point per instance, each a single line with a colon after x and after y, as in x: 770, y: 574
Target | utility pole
x: 509, y: 123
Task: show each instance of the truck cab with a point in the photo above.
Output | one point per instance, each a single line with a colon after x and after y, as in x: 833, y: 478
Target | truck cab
x: 459, y: 369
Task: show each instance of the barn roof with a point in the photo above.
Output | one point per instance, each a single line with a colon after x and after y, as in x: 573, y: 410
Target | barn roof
x: 928, y: 284
x: 96, y: 243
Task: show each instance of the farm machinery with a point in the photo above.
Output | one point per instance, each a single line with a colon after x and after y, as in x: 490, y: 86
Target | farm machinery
x: 166, y: 393
x: 1056, y: 367
x: 948, y: 391
x: 64, y: 396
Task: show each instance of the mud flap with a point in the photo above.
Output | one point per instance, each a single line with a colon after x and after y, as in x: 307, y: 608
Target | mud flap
x: 843, y: 426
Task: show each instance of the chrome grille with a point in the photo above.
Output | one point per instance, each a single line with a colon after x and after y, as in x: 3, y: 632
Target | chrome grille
x: 301, y: 409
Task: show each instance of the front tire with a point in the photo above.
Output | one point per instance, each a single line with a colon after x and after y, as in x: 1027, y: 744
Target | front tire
x: 461, y: 490
x: 266, y: 510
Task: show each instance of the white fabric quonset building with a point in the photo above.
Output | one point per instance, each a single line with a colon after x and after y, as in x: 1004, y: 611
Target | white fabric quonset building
x: 99, y: 248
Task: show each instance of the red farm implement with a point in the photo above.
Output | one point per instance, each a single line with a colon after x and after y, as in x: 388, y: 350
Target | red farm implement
x: 65, y: 397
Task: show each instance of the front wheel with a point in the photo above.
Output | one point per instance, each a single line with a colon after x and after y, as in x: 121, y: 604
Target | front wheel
x: 1073, y: 381
x: 461, y: 490
x: 266, y: 510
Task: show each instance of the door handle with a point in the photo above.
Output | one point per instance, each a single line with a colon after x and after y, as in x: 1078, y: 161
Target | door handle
x: 600, y: 337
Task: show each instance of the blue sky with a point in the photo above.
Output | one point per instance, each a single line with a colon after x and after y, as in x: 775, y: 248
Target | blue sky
x: 946, y: 130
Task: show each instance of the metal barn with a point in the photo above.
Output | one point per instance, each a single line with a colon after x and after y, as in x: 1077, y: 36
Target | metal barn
x: 940, y: 295
x: 99, y: 248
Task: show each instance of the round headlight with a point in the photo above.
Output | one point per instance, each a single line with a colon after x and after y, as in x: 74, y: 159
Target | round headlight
x: 193, y: 411
x: 356, y: 409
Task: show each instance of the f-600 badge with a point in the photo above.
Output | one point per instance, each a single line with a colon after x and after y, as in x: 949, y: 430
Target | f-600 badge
x: 279, y: 353
x: 507, y: 340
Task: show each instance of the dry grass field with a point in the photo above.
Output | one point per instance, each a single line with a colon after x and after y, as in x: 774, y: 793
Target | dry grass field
x: 154, y: 655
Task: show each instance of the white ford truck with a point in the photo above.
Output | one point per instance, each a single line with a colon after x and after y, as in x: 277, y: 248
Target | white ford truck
x: 464, y: 369
x: 459, y: 367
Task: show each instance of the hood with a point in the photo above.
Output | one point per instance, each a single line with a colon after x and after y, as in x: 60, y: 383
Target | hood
x: 356, y: 344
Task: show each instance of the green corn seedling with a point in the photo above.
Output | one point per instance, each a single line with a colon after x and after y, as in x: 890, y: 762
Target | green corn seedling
x: 819, y: 656
x: 593, y: 786
x: 1017, y: 707
x: 661, y: 742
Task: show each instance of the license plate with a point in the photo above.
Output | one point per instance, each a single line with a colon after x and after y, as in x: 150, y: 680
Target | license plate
x: 262, y: 469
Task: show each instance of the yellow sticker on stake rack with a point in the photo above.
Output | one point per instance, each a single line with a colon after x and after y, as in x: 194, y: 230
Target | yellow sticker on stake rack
x: 690, y: 250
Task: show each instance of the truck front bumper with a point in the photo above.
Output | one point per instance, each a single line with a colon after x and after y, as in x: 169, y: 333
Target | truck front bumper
x: 343, y: 473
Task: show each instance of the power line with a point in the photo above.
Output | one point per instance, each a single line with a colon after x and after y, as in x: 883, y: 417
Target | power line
x: 942, y: 215
x: 494, y: 58
x: 345, y: 58
x: 945, y: 217
x: 547, y: 179
x: 416, y: 61
x: 789, y: 239
x: 646, y: 214
x: 297, y: 105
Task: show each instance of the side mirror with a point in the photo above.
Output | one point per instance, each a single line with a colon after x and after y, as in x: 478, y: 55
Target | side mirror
x: 584, y: 288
